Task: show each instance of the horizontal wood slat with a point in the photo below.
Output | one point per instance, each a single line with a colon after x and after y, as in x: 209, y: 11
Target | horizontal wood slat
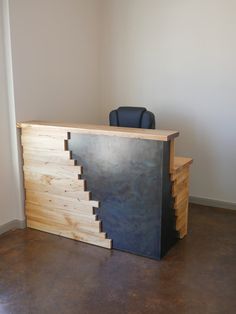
x: 32, y: 158
x: 178, y: 187
x: 180, y: 176
x: 63, y: 231
x: 180, y: 197
x: 181, y: 207
x: 59, y: 171
x: 82, y: 216
x: 46, y: 132
x: 180, y: 163
x: 54, y: 189
x: 180, y: 222
x: 60, y: 201
x: 44, y: 142
x: 66, y: 221
x: 46, y: 154
x: 72, y: 185
x: 183, y: 231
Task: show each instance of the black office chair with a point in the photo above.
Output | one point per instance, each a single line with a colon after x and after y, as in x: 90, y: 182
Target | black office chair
x: 132, y: 117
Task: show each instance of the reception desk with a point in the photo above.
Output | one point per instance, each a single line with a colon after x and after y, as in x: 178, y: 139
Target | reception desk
x: 118, y: 188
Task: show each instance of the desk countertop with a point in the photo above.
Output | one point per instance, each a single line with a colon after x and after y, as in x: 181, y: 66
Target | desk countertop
x: 158, y: 135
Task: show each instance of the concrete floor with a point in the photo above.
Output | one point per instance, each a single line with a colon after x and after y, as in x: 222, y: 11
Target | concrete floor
x: 43, y: 273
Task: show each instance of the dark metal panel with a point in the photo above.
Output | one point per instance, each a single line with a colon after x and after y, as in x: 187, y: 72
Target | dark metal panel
x: 168, y: 233
x: 126, y: 176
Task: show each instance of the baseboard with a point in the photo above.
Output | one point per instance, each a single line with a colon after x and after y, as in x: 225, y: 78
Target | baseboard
x: 11, y: 225
x: 212, y: 203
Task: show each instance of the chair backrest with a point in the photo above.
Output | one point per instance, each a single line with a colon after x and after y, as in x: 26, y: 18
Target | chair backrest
x: 132, y: 117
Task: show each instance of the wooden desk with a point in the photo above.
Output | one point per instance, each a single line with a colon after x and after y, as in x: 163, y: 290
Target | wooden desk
x: 107, y: 186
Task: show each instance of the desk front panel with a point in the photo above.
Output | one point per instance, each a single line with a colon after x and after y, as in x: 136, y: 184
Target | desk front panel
x: 130, y: 179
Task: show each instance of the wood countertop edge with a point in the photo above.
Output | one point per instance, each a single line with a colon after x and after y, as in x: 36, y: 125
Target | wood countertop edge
x: 180, y: 163
x: 158, y: 135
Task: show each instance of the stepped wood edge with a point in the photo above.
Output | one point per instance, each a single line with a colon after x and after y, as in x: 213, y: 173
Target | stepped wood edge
x: 113, y: 187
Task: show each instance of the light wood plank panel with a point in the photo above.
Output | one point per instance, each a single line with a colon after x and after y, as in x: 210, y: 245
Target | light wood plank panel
x: 46, y: 164
x: 181, y: 217
x: 46, y: 149
x: 46, y: 155
x: 33, y: 185
x: 177, y: 188
x: 180, y: 163
x: 41, y: 209
x: 55, y: 133
x: 180, y: 223
x: 181, y: 198
x: 182, y: 207
x: 183, y: 231
x: 52, y: 165
x: 54, y: 204
x: 182, y: 193
x: 64, y: 225
x: 60, y: 201
x: 72, y: 185
x: 71, y: 222
x: 58, y: 171
x: 180, y: 176
x: 181, y: 179
x: 44, y: 142
x: 31, y: 158
x: 106, y: 243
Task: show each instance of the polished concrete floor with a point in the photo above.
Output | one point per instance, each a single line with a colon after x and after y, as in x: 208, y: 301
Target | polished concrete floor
x: 43, y: 273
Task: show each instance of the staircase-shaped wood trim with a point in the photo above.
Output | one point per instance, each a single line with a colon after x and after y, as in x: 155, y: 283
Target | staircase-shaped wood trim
x: 56, y: 198
x: 180, y: 192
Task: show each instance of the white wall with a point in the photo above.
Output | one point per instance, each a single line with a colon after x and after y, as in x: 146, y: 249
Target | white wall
x: 10, y: 207
x: 179, y: 59
x: 75, y: 60
x: 56, y: 59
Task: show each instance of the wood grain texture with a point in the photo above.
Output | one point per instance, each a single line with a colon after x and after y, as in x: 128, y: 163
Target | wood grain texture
x: 41, y: 209
x: 180, y: 193
x: 46, y: 132
x: 180, y: 186
x: 56, y: 198
x: 62, y: 230
x: 48, y: 156
x: 181, y: 163
x: 30, y: 157
x: 58, y: 201
x: 53, y: 188
x: 159, y: 135
x: 66, y: 184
